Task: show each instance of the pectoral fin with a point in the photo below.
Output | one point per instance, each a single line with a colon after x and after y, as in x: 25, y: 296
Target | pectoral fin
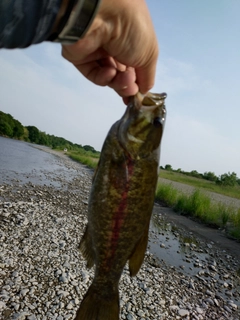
x: 136, y: 259
x: 86, y: 248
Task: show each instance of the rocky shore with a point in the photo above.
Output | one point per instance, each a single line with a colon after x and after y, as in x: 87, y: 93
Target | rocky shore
x: 43, y: 275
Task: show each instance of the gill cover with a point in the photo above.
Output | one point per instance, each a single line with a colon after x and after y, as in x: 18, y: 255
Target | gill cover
x: 141, y: 127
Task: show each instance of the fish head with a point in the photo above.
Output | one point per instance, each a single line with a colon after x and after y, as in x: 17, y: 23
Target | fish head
x: 141, y: 127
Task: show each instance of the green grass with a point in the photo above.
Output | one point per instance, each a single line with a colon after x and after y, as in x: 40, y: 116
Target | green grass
x: 196, y: 204
x: 200, y: 206
x: 167, y: 194
x: 87, y: 158
x: 233, y: 192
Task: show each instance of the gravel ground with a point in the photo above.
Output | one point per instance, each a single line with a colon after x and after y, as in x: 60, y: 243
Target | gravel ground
x: 43, y: 276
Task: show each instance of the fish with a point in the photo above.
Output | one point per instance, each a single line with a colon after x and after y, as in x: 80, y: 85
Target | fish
x: 121, y: 202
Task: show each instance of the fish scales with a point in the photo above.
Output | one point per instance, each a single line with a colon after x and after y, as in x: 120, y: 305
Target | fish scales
x: 121, y: 202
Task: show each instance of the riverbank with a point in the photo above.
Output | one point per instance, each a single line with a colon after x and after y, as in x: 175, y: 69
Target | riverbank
x: 43, y: 275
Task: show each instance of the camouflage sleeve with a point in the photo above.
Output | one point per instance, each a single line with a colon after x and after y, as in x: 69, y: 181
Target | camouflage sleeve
x: 24, y: 22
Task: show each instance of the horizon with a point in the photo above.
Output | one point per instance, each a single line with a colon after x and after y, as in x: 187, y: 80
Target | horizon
x: 198, y: 67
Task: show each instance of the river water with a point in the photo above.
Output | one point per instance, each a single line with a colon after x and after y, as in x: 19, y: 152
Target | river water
x: 23, y: 162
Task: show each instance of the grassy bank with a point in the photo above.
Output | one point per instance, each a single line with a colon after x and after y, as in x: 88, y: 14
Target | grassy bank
x: 233, y: 192
x: 196, y: 204
x: 88, y: 158
x: 200, y: 206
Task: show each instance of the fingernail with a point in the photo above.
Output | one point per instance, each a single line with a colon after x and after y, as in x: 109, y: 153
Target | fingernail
x: 123, y: 88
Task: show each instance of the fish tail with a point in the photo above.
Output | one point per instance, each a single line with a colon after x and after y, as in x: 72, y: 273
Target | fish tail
x: 96, y: 306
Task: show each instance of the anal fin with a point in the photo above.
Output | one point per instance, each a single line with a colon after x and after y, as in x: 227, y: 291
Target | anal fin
x: 137, y: 256
x: 86, y: 248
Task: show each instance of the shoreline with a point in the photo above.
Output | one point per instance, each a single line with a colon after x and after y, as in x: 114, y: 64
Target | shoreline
x: 43, y: 276
x: 206, y: 232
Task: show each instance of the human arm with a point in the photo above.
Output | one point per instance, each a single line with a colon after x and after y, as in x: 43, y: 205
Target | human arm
x: 119, y: 50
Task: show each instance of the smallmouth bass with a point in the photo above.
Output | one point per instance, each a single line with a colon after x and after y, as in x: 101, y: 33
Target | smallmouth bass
x: 121, y: 203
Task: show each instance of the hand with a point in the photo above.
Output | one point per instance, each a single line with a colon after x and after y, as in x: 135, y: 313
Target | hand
x: 119, y: 50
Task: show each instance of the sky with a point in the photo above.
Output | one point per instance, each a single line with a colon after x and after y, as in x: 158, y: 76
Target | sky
x: 198, y: 67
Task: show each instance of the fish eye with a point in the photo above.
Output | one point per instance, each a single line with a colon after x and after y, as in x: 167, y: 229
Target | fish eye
x: 157, y: 122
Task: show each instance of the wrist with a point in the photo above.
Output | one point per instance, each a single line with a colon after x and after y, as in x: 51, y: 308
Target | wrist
x: 60, y: 15
x: 73, y: 20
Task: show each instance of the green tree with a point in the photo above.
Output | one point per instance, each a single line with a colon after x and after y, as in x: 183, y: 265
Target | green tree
x: 25, y: 134
x: 43, y: 139
x: 89, y: 148
x: 18, y: 129
x: 168, y: 167
x: 6, y: 124
x: 33, y: 134
x: 195, y: 174
x: 5, y: 129
x: 227, y: 179
x: 209, y: 176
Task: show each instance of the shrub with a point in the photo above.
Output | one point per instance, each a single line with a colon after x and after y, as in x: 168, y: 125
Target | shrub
x: 166, y: 194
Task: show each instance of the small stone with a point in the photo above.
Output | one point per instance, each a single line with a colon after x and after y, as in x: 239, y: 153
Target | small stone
x: 191, y: 285
x: 20, y: 316
x: 209, y: 301
x: 216, y: 302
x: 63, y: 278
x: 233, y: 305
x: 140, y: 313
x: 209, y: 293
x: 2, y: 305
x: 199, y: 310
x: 23, y: 292
x: 227, y: 309
x: 130, y: 316
x: 69, y: 306
x: 183, y: 312
x: 174, y: 308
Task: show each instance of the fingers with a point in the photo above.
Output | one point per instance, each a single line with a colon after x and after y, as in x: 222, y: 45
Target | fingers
x: 100, y: 75
x: 145, y: 78
x: 124, y: 83
x: 108, y: 72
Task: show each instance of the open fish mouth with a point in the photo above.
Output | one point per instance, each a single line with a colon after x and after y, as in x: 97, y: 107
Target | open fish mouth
x: 151, y: 99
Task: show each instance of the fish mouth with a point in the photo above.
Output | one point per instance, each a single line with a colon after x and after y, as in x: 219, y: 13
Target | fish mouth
x: 149, y: 100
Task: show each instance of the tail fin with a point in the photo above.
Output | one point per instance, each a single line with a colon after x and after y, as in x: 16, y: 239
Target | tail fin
x: 97, y: 307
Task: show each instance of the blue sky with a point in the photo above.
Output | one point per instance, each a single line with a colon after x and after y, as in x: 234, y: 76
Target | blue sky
x: 199, y: 68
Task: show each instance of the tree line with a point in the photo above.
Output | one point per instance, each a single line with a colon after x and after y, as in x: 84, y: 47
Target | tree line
x: 12, y: 128
x: 225, y: 179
